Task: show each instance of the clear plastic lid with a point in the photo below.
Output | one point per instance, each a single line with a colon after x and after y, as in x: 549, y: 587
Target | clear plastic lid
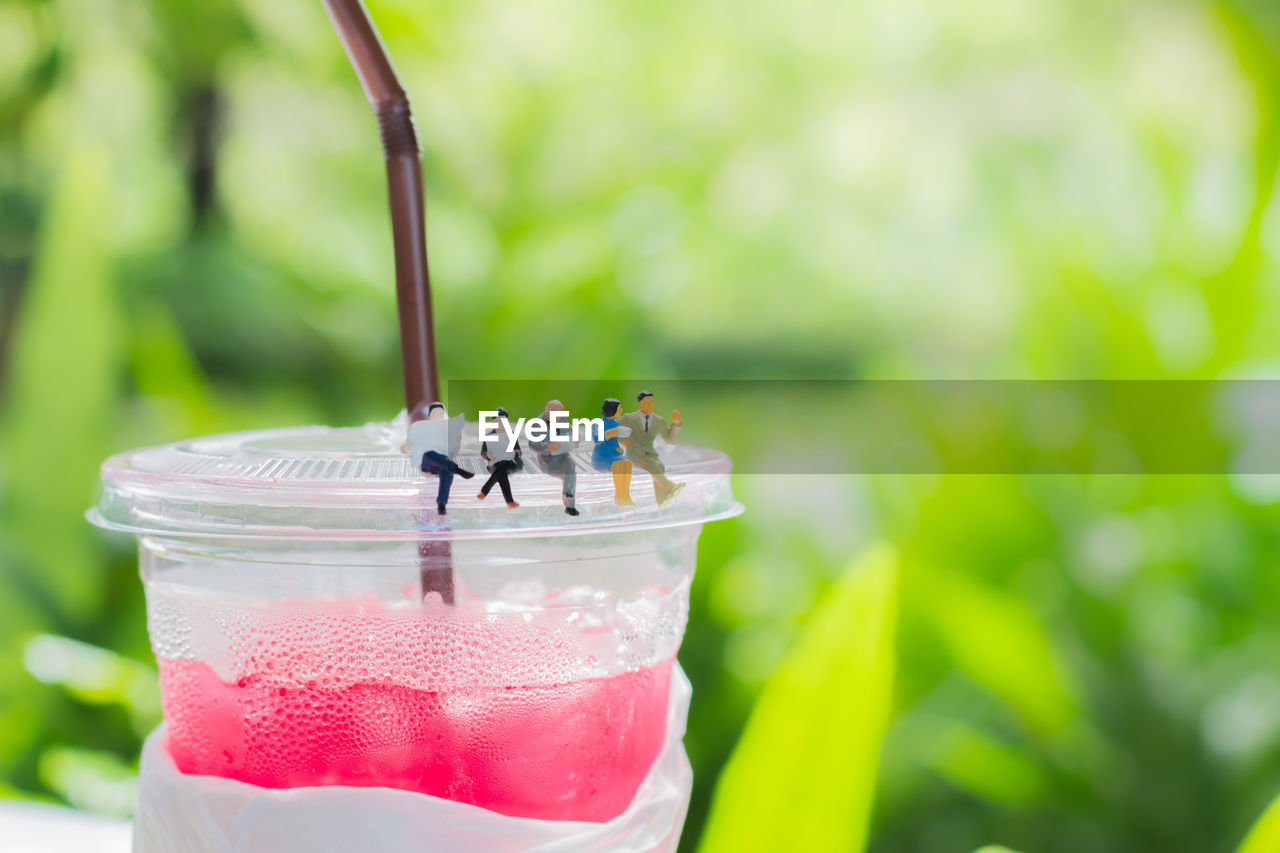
x: 357, y: 483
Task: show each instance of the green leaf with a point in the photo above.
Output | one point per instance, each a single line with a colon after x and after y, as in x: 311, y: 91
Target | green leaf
x: 89, y: 779
x: 1001, y: 642
x: 167, y: 377
x: 803, y: 775
x: 983, y: 765
x: 1264, y: 836
x: 95, y: 676
x: 65, y: 385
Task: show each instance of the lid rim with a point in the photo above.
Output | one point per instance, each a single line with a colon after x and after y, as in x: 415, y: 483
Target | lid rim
x: 224, y: 532
x: 355, y: 484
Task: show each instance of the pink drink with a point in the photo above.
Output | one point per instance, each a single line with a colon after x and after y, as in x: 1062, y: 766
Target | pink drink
x: 575, y: 751
x: 512, y: 711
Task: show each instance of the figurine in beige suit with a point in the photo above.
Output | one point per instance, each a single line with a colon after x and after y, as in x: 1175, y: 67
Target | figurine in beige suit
x: 645, y: 427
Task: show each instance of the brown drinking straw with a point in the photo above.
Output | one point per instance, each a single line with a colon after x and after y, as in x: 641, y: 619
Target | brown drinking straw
x: 390, y: 103
x: 404, y: 181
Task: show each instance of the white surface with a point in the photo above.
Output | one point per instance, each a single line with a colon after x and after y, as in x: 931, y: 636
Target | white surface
x: 35, y: 828
x: 209, y: 814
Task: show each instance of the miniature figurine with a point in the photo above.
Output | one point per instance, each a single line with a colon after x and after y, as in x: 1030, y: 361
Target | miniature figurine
x: 555, y: 460
x: 432, y: 442
x: 645, y: 426
x: 502, y: 461
x: 609, y: 454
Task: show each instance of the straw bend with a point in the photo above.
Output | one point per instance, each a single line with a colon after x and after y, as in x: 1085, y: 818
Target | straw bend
x: 395, y: 122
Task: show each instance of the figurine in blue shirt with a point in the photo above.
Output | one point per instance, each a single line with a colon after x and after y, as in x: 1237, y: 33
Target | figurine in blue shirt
x: 608, y: 455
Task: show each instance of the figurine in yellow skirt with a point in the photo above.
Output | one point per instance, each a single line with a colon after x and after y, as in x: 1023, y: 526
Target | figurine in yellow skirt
x: 609, y: 455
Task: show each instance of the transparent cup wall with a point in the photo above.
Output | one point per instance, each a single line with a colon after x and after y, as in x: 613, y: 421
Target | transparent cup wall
x: 606, y: 603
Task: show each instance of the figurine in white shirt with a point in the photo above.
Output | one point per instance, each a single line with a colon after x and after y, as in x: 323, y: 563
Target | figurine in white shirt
x: 433, y: 442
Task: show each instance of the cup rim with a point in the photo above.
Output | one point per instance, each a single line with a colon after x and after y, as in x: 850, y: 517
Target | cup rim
x: 355, y: 484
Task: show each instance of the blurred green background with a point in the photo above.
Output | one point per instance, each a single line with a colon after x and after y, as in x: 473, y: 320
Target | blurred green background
x: 193, y: 238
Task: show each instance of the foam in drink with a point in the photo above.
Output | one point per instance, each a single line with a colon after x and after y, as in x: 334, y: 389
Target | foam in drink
x: 501, y: 712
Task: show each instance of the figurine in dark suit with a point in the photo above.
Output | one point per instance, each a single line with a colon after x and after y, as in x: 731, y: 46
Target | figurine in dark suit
x: 501, y: 462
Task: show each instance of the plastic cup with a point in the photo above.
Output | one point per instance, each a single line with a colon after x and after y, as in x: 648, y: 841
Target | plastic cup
x: 285, y: 573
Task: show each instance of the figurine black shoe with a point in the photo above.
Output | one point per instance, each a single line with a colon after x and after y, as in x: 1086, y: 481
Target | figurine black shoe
x: 440, y: 510
x: 570, y: 510
x: 465, y: 474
